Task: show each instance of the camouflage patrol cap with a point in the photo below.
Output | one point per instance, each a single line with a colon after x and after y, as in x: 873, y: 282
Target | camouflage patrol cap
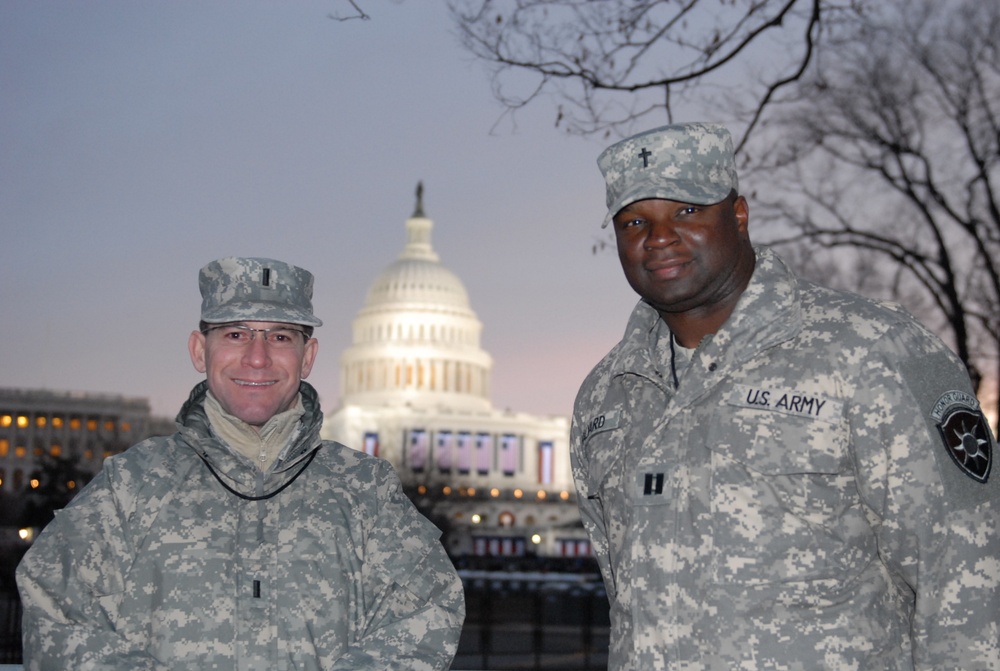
x: 691, y: 163
x: 243, y: 289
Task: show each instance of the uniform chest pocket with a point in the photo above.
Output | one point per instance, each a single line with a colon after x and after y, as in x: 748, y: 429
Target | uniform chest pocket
x: 783, y: 499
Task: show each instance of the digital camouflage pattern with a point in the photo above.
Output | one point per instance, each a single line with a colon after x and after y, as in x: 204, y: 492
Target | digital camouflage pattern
x: 815, y: 494
x: 321, y: 563
x: 691, y: 163
x: 246, y: 289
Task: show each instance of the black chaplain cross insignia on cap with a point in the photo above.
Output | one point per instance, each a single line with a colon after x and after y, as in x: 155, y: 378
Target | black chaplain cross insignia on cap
x: 265, y: 277
x: 645, y: 154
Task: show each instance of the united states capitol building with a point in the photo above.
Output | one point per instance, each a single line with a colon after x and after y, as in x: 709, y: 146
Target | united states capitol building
x: 415, y: 390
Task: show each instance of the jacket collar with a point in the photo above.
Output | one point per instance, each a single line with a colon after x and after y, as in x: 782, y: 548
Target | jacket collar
x: 768, y: 312
x: 196, y: 430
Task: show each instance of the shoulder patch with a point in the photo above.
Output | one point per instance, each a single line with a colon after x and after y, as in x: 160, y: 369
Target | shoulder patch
x: 965, y: 433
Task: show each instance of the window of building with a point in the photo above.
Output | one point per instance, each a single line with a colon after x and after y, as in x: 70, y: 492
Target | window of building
x: 75, y: 423
x: 484, y: 453
x: 22, y: 421
x: 20, y: 451
x: 6, y: 420
x: 371, y: 443
x: 510, y: 453
x: 41, y: 421
x: 57, y: 422
x: 463, y: 452
x: 4, y: 447
x: 91, y: 424
x: 417, y: 450
x: 443, y: 451
x: 572, y: 547
x: 484, y: 546
x: 546, y: 462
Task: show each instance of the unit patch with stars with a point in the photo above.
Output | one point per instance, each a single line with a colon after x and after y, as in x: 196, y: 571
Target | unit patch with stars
x: 965, y: 432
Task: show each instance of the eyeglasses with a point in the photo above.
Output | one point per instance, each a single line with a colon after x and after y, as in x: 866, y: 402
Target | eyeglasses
x: 241, y: 335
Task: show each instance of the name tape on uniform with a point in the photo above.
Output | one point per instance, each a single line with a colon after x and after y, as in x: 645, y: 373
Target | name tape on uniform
x: 788, y: 401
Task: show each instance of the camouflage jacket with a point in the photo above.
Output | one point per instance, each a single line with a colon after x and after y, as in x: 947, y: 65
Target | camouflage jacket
x: 181, y: 554
x: 814, y: 494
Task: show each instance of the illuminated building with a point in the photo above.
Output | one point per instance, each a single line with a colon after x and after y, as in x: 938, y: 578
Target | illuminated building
x: 415, y: 391
x: 35, y: 424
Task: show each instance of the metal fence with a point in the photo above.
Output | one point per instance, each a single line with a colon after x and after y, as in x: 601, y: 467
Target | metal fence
x: 533, y: 620
x: 10, y: 628
x: 557, y: 621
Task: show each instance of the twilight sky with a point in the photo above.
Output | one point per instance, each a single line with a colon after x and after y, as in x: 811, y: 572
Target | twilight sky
x: 138, y: 141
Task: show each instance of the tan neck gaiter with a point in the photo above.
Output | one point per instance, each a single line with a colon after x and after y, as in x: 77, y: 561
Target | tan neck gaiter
x: 263, y: 446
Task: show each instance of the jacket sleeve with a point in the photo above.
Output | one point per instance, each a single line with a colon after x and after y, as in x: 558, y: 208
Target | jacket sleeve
x: 414, y: 603
x: 70, y: 583
x: 923, y: 448
x: 590, y: 503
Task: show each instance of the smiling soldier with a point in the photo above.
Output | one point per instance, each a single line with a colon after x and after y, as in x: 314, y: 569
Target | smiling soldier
x: 774, y: 475
x: 243, y: 541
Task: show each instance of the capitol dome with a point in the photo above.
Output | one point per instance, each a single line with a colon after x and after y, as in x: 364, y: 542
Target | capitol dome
x: 415, y: 388
x: 418, y: 275
x: 416, y: 340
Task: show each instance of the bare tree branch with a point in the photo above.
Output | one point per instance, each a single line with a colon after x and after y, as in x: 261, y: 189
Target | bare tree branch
x: 894, y: 149
x: 611, y: 64
x: 359, y: 13
x: 875, y: 125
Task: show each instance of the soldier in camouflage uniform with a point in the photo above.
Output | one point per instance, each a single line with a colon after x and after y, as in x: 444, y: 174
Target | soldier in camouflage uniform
x: 775, y: 475
x: 243, y: 541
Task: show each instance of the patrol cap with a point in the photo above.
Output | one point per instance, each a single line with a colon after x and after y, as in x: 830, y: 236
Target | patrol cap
x: 247, y: 289
x: 691, y: 163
